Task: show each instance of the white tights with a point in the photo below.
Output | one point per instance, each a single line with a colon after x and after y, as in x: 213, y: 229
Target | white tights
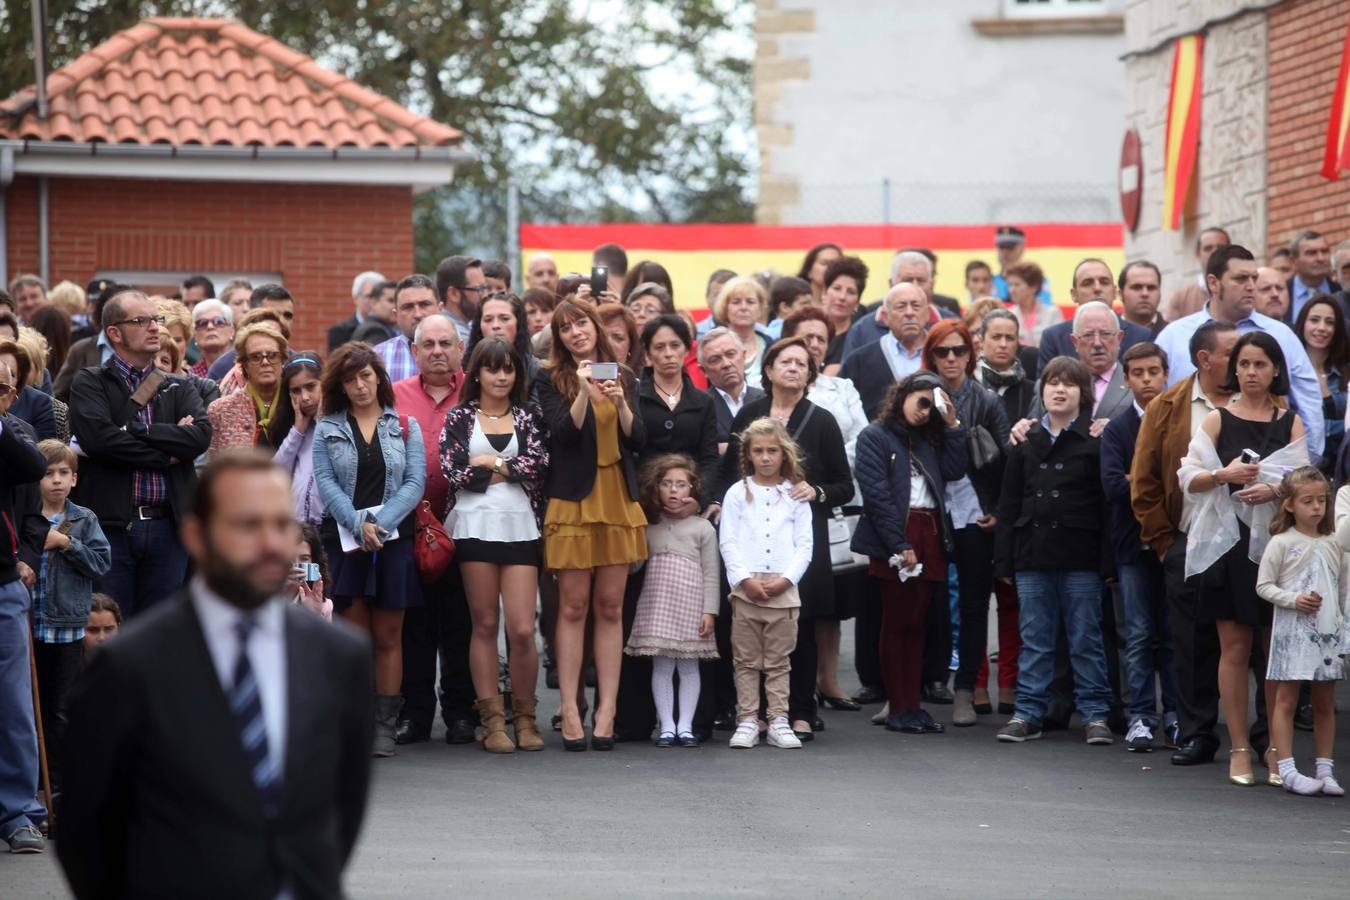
x: 663, y: 692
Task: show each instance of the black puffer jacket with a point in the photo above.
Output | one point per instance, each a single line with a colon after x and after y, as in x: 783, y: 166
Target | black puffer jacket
x: 882, y: 468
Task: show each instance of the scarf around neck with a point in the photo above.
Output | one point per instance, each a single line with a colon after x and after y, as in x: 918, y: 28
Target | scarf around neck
x: 993, y: 378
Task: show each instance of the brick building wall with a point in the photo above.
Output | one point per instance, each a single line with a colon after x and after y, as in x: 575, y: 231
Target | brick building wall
x: 317, y: 236
x: 1306, y: 37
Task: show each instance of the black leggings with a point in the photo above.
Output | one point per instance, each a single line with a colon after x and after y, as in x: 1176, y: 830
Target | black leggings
x: 975, y: 576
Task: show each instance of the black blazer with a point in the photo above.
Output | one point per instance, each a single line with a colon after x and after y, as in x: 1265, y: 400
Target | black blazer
x: 571, y: 450
x: 1336, y: 293
x: 156, y: 770
x: 116, y: 443
x: 1051, y: 512
x: 1118, y: 442
x: 822, y: 445
x: 723, y: 412
x: 870, y: 373
x: 691, y: 427
x: 342, y: 332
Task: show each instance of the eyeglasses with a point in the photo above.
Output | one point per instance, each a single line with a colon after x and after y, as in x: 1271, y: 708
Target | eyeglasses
x: 478, y: 289
x: 213, y: 322
x: 263, y: 356
x: 944, y: 352
x: 140, y: 322
x: 1094, y: 336
x: 674, y: 485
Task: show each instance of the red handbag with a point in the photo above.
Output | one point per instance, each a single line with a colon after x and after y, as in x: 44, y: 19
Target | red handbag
x: 433, y: 548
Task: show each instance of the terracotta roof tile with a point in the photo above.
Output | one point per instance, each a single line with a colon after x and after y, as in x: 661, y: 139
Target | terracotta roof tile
x: 199, y: 80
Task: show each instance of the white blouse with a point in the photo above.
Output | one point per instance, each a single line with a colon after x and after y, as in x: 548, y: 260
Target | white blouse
x: 501, y: 513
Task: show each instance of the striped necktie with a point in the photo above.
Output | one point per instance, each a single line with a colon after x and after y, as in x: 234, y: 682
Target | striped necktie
x: 246, y: 704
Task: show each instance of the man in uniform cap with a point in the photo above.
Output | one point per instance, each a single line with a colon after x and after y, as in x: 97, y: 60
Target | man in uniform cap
x: 1011, y: 242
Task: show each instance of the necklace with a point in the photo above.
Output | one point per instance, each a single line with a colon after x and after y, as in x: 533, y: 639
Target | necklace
x: 490, y: 417
x: 671, y: 397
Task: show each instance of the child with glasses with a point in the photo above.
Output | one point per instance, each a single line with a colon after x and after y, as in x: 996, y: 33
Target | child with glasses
x: 678, y: 604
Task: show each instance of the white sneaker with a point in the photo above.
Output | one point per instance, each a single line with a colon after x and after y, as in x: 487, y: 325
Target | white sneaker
x: 746, y: 736
x: 781, y: 736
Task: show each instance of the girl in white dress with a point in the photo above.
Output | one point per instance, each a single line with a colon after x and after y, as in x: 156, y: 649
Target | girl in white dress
x: 1303, y: 573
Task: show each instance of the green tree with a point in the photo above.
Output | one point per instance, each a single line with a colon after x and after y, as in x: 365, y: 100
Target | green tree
x: 621, y: 110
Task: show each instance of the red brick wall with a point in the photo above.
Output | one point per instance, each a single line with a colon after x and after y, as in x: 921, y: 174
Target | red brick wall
x: 1306, y: 37
x: 317, y: 236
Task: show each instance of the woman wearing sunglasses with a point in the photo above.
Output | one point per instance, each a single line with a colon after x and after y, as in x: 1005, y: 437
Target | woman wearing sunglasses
x: 905, y: 460
x: 244, y: 418
x: 213, y: 330
x: 972, y: 499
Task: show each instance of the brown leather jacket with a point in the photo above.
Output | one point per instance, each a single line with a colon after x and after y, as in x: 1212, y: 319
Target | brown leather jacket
x: 1155, y: 493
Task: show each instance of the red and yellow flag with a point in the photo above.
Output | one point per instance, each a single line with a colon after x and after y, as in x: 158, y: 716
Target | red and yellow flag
x: 1337, y: 155
x: 1183, y: 127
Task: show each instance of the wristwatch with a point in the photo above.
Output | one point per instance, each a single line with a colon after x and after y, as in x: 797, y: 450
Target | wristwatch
x: 497, y: 465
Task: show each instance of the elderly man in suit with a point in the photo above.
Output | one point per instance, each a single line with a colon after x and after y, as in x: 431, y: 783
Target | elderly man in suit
x: 722, y: 356
x: 1096, y: 341
x: 874, y: 367
x: 1312, y: 272
x: 362, y: 287
x: 1091, y: 283
x: 221, y: 745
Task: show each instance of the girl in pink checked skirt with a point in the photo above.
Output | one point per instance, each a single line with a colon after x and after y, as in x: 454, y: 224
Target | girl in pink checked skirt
x: 678, y: 604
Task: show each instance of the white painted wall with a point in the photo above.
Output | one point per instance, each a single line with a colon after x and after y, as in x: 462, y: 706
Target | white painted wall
x: 969, y: 128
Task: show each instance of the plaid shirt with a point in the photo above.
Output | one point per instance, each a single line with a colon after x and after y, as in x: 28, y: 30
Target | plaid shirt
x: 398, y: 359
x: 148, y: 487
x: 43, y: 633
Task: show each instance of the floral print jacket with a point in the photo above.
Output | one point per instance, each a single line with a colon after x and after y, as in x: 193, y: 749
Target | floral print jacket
x: 527, y: 468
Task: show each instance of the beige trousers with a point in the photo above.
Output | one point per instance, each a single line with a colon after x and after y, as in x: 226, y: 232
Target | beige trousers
x: 762, y: 638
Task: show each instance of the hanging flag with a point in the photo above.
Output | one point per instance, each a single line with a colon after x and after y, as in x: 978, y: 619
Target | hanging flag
x: 1337, y: 155
x: 1183, y: 127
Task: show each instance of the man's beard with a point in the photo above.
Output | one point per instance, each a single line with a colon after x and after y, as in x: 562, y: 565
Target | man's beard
x: 233, y: 583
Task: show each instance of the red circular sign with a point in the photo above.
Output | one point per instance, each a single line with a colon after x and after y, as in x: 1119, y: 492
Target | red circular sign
x: 1131, y: 178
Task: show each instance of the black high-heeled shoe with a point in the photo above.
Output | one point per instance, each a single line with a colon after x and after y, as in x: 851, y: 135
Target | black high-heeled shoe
x: 577, y: 746
x: 841, y: 704
x: 602, y: 743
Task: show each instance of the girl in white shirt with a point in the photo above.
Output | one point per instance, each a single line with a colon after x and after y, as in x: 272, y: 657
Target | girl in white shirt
x: 766, y: 545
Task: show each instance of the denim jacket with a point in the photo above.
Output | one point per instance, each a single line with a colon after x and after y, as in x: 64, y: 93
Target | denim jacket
x: 71, y: 572
x: 405, y: 469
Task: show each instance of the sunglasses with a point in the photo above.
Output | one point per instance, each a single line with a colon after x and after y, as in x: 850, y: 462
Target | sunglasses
x: 214, y: 322
x: 944, y: 352
x: 270, y: 356
x: 5, y: 389
x: 924, y: 403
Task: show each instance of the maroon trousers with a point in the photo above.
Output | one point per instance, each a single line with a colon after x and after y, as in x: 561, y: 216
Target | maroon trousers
x: 904, y: 606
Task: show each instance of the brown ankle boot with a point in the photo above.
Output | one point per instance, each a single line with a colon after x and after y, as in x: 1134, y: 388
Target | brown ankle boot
x: 522, y: 714
x: 492, y: 712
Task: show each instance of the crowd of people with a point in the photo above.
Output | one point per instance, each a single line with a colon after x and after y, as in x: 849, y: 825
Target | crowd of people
x: 681, y: 507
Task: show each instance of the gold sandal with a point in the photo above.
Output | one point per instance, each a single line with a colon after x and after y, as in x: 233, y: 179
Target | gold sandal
x: 1273, y: 770
x: 1240, y: 780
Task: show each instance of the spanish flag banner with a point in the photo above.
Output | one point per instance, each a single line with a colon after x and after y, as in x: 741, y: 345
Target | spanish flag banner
x: 691, y: 253
x: 1337, y: 155
x: 1183, y: 127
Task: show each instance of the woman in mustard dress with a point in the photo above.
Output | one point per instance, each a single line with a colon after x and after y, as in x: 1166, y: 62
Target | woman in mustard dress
x: 594, y: 528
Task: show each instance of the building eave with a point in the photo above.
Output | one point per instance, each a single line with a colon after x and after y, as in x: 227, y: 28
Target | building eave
x: 420, y: 168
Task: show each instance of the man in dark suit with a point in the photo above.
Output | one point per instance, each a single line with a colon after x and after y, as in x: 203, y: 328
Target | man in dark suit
x: 875, y: 366
x: 1091, y: 281
x: 221, y: 744
x: 362, y: 286
x: 1139, y: 572
x: 722, y: 356
x: 1311, y: 256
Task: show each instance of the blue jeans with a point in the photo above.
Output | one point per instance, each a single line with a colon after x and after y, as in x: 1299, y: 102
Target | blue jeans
x: 148, y: 564
x: 1049, y: 598
x: 1141, y: 594
x: 18, y: 731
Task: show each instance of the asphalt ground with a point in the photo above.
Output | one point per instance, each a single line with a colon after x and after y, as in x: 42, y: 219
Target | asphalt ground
x: 859, y: 812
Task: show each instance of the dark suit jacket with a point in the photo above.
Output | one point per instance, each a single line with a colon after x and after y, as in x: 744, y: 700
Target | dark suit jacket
x: 83, y: 354
x: 870, y: 373
x: 35, y: 408
x: 1336, y: 292
x: 159, y: 800
x: 723, y: 412
x: 341, y: 333
x: 1055, y: 341
x: 1117, y: 456
x: 373, y: 331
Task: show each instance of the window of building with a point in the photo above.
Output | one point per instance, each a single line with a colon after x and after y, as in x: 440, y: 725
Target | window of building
x: 1053, y: 8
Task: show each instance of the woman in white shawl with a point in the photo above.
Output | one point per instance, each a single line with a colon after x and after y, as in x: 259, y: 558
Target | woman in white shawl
x: 1231, y: 475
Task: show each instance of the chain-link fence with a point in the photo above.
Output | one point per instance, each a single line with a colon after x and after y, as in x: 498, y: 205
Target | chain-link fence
x: 966, y: 203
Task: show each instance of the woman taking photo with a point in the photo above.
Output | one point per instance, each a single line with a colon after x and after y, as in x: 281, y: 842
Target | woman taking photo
x: 789, y: 372
x: 905, y: 459
x: 839, y: 398
x: 371, y: 472
x: 740, y: 305
x: 1321, y: 327
x: 494, y: 457
x: 1216, y: 460
x: 293, y: 427
x: 677, y: 418
x: 244, y: 418
x: 594, y: 528
x: 971, y: 498
x: 814, y: 264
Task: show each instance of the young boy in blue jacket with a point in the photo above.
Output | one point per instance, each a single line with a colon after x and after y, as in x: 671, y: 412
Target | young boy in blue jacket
x: 76, y: 553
